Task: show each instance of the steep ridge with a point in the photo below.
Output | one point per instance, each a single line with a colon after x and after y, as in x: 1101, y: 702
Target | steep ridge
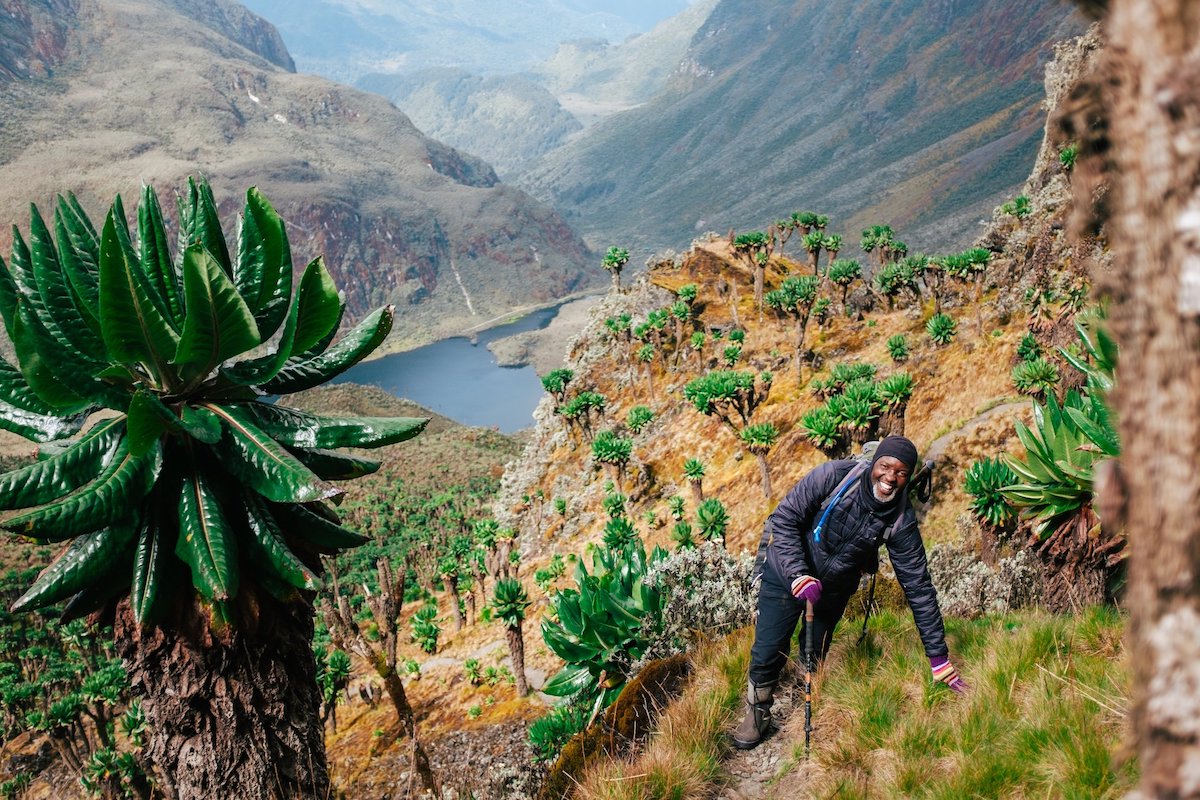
x: 922, y: 116
x: 399, y: 217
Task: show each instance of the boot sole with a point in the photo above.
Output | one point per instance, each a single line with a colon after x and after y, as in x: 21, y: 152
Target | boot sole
x: 741, y: 744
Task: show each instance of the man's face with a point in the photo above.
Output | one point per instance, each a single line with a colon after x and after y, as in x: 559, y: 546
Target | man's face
x: 889, y: 476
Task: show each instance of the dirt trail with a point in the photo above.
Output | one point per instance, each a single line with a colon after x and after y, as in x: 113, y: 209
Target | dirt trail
x: 938, y: 446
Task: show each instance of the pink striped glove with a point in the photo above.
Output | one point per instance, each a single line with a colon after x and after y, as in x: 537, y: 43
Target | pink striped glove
x: 806, y: 587
x: 945, y: 672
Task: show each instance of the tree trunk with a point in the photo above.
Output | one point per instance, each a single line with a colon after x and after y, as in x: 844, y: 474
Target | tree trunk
x: 234, y: 715
x: 1141, y: 131
x: 765, y: 473
x: 516, y: 648
x: 408, y: 725
x: 697, y: 491
x: 616, y: 281
x: 456, y: 609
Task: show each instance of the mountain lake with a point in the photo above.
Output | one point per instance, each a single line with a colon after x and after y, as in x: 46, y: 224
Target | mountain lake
x: 459, y: 377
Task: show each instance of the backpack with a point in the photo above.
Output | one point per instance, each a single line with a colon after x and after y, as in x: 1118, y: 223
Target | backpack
x: 919, y: 485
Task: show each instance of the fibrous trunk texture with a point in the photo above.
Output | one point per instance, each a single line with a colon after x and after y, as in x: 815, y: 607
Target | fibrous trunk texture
x: 516, y: 648
x: 236, y: 715
x: 1138, y: 119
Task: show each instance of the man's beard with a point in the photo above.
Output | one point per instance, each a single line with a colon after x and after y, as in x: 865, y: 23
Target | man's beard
x: 883, y: 498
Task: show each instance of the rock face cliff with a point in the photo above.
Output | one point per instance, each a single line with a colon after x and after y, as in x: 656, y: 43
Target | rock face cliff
x: 399, y: 217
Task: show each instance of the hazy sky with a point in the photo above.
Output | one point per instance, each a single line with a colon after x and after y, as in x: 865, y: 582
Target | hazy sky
x: 344, y: 39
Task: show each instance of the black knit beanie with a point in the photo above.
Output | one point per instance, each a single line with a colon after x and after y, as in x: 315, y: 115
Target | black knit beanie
x: 897, y: 447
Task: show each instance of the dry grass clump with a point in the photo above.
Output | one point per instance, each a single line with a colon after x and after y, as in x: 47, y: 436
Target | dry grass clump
x: 683, y: 760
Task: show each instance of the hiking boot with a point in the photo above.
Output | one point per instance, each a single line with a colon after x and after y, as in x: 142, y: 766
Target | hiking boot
x: 754, y: 727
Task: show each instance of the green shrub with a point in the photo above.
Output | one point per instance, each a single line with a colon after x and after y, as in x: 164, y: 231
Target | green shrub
x: 941, y: 328
x: 898, y: 347
x: 425, y: 628
x: 983, y: 481
x: 638, y: 418
x: 1036, y: 377
x: 1028, y: 349
x: 598, y: 630
x: 549, y: 733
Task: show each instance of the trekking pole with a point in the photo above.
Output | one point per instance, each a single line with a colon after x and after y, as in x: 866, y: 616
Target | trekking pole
x: 808, y: 673
x: 867, y: 611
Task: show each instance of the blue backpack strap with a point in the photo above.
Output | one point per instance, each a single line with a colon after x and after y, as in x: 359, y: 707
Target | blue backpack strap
x: 836, y: 496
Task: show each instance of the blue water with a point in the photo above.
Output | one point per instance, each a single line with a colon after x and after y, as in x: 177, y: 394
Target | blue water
x: 461, y: 380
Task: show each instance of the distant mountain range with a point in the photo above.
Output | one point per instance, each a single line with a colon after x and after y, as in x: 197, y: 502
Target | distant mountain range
x: 923, y: 115
x: 345, y: 39
x: 97, y: 97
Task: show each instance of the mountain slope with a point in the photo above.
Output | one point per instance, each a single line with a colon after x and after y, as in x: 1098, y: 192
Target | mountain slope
x: 399, y: 217
x: 506, y: 120
x: 920, y: 115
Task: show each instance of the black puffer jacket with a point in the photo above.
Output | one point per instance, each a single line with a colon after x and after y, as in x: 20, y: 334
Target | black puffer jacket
x: 849, y: 543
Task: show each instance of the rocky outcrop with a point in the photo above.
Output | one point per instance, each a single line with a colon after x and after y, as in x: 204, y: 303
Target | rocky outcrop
x: 239, y: 24
x: 34, y: 36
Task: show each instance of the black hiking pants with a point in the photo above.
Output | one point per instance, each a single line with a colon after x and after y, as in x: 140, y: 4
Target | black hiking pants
x: 778, y: 615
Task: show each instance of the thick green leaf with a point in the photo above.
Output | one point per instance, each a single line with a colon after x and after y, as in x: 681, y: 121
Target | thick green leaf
x: 262, y: 463
x: 570, y: 680
x: 268, y: 550
x: 156, y: 258
x: 199, y: 224
x: 149, y: 419
x: 319, y: 304
x: 24, y: 413
x: 37, y: 427
x: 263, y: 273
x: 54, y: 376
x: 331, y: 466
x: 57, y: 310
x: 356, y: 345
x: 218, y: 323
x: 200, y: 424
x: 86, y: 560
x: 79, y: 267
x: 83, y: 267
x: 120, y: 486
x: 258, y: 370
x: 1103, y: 437
x: 134, y: 329
x: 151, y: 563
x: 315, y: 530
x: 206, y: 542
x: 63, y: 473
x: 298, y: 429
x: 323, y: 345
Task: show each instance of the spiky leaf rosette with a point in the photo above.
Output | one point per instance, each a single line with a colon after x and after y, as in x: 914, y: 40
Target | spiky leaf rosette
x: 189, y: 466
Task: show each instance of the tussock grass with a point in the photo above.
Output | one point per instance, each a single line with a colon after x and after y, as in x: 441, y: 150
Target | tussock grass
x: 684, y: 759
x: 1045, y: 718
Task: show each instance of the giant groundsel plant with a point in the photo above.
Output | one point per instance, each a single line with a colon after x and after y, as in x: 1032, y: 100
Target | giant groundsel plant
x: 190, y: 468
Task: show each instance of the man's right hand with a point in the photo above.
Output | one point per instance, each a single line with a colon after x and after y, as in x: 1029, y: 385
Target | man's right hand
x: 808, y: 588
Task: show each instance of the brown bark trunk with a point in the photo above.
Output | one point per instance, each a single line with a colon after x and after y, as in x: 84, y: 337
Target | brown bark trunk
x: 765, y: 473
x: 516, y: 648
x: 697, y: 492
x: 235, y: 715
x: 1140, y: 130
x: 408, y: 726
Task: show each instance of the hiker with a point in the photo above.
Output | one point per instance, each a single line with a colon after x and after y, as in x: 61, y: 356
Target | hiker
x: 824, y: 566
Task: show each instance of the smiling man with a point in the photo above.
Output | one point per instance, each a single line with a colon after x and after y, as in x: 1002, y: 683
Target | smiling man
x: 818, y: 542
